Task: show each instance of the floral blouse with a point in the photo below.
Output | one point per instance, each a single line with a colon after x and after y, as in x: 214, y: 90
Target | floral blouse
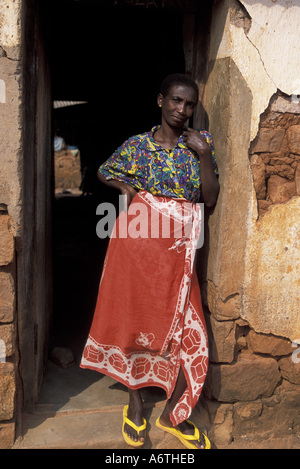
x: 145, y: 165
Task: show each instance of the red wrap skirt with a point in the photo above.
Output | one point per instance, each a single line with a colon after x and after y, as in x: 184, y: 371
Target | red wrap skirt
x: 148, y: 320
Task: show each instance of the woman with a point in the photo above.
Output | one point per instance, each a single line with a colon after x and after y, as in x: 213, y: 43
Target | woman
x: 148, y: 328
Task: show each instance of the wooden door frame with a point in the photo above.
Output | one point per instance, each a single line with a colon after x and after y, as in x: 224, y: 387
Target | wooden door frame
x: 34, y: 269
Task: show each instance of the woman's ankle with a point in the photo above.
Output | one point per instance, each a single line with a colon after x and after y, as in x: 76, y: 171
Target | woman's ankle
x: 135, y: 401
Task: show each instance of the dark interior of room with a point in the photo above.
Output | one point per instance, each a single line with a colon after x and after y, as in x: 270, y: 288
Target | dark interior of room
x: 114, y: 59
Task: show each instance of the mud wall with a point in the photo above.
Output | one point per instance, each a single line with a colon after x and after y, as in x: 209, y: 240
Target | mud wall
x: 25, y: 210
x: 251, y: 281
x: 10, y: 208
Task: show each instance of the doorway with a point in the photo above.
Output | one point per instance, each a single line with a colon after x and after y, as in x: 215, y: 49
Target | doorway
x: 111, y: 60
x: 110, y: 56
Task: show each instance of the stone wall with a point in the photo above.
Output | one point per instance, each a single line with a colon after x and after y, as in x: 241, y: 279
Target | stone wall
x: 8, y: 359
x: 252, y: 388
x: 275, y: 154
x: 10, y: 223
x: 25, y: 211
x: 250, y: 271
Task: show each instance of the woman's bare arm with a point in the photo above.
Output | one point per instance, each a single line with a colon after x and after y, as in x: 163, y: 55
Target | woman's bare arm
x: 124, y: 188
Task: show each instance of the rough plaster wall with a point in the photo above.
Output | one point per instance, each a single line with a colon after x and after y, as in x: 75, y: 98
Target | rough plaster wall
x: 253, y: 266
x: 10, y: 109
x: 275, y: 33
x: 10, y: 33
x: 10, y: 205
x: 272, y: 287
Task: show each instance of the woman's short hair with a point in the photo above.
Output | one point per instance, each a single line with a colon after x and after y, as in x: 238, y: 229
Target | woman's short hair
x: 177, y: 79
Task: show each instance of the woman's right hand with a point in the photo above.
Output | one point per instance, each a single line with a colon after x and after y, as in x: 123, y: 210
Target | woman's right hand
x: 129, y: 193
x: 124, y: 188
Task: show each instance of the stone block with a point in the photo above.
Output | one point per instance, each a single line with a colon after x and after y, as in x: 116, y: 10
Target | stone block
x: 276, y: 160
x: 284, y: 151
x: 269, y: 140
x: 7, y: 435
x: 7, y: 390
x: 246, y: 380
x: 290, y: 369
x: 221, y: 419
x: 293, y: 135
x: 229, y: 309
x: 259, y: 176
x: 269, y: 344
x: 284, y: 104
x: 6, y: 241
x: 269, y: 417
x: 222, y: 340
x: 222, y: 310
x: 248, y: 410
x: 7, y: 297
x: 280, y: 190
x: 285, y: 171
x: 7, y: 335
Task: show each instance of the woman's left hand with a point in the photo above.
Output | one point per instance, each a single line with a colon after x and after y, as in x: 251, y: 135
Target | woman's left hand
x: 196, y: 142
x: 209, y: 182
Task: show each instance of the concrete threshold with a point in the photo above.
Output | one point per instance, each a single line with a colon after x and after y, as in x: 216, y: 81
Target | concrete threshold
x: 95, y: 429
x: 81, y: 409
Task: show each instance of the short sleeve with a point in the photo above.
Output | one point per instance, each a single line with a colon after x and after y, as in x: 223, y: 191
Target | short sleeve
x: 123, y: 165
x: 210, y: 142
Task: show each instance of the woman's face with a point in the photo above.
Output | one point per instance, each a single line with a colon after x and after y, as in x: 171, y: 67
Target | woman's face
x: 178, y: 105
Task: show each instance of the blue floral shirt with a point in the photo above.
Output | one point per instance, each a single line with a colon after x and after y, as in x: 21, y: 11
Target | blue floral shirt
x: 145, y: 165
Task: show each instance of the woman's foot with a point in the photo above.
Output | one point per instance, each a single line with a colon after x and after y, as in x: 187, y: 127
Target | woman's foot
x: 135, y: 414
x: 186, y: 429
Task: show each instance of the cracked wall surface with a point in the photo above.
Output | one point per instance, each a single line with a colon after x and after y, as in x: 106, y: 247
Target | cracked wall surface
x: 10, y: 109
x: 275, y: 33
x: 252, y: 272
x: 253, y: 60
x: 10, y: 31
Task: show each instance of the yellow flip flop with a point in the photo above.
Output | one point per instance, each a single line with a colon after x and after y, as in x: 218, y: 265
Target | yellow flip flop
x: 128, y: 440
x: 185, y: 439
